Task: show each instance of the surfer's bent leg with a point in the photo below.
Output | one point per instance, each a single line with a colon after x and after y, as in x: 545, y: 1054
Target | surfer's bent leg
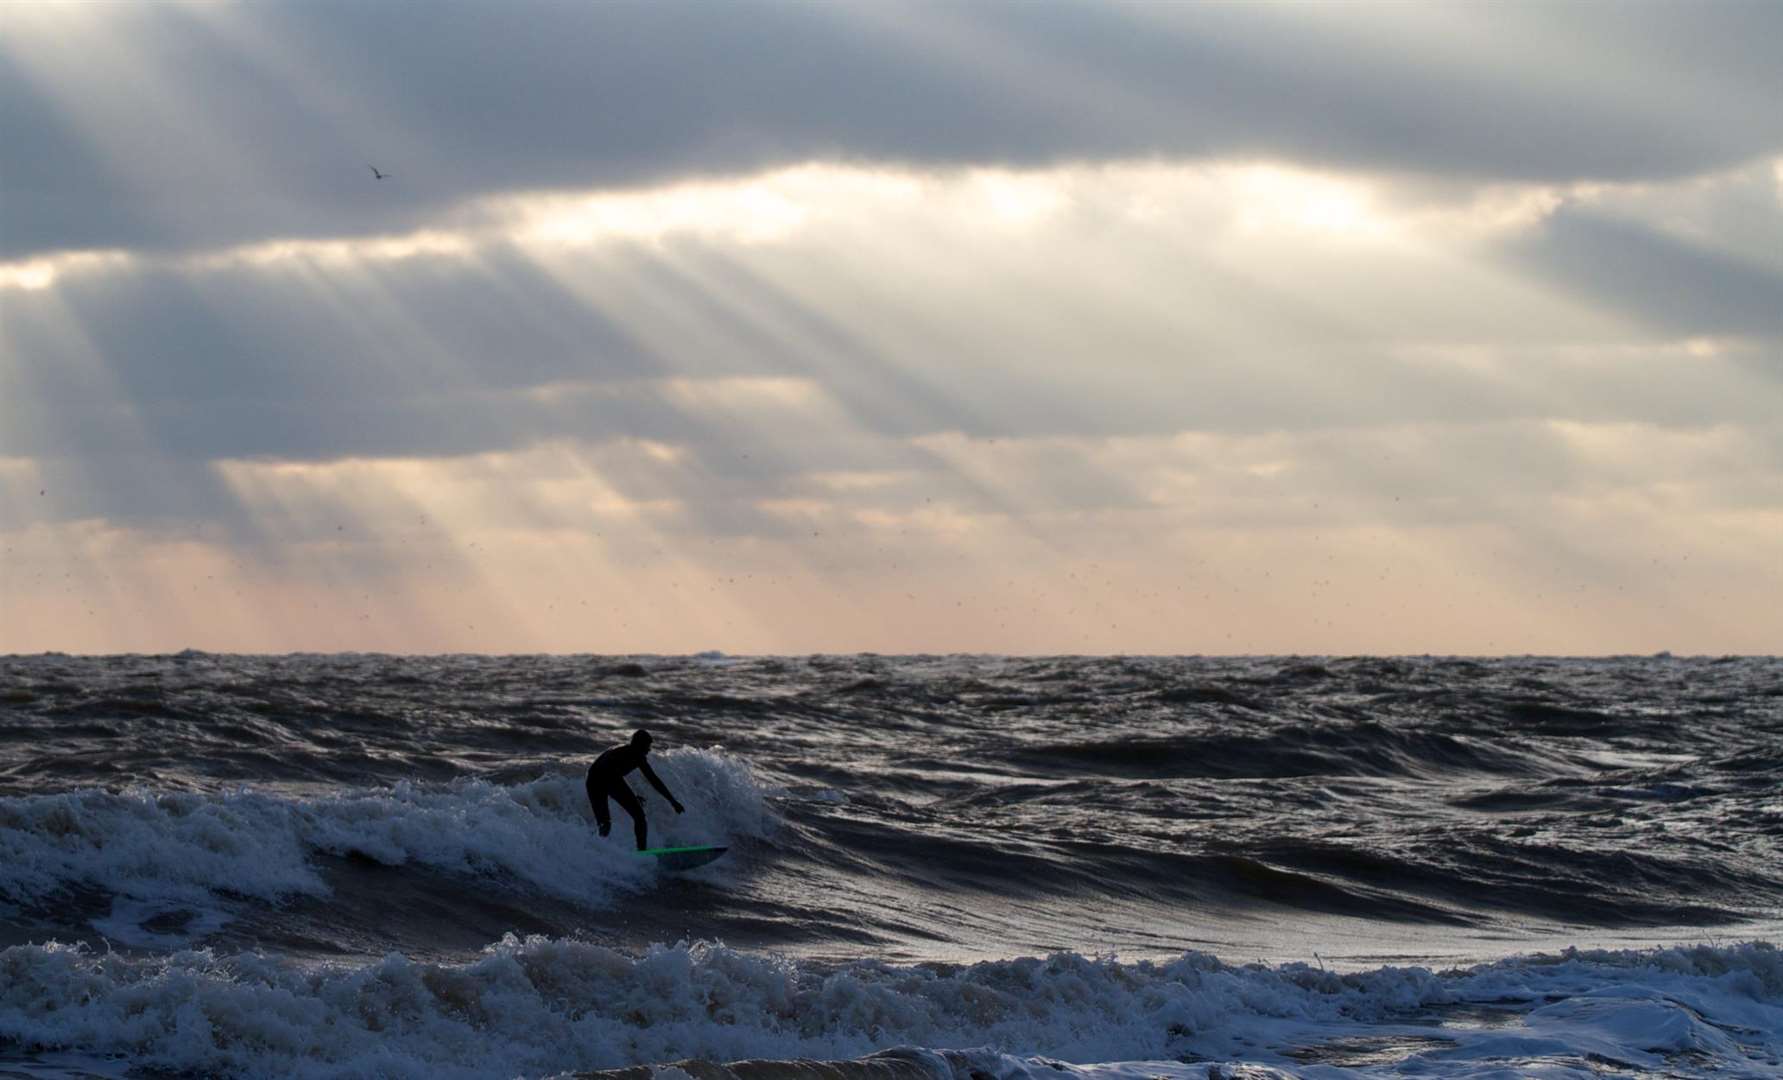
x: 629, y: 803
x: 597, y: 798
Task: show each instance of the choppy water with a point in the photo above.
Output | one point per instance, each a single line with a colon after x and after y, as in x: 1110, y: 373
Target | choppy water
x: 380, y: 848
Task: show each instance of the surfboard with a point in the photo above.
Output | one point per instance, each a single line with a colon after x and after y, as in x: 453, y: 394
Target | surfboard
x: 683, y: 858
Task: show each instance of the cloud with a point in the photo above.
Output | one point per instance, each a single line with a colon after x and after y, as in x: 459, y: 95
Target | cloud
x: 855, y: 326
x: 177, y: 126
x: 1109, y: 301
x: 1665, y: 281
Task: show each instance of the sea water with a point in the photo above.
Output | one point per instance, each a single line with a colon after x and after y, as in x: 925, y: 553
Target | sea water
x: 381, y: 866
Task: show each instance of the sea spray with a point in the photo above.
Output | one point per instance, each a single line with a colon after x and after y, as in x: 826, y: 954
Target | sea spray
x: 537, y: 1006
x: 187, y: 847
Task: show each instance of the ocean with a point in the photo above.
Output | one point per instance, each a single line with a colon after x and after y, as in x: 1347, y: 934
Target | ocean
x: 939, y: 866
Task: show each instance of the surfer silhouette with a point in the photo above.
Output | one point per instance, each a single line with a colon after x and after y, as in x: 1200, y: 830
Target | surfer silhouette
x: 606, y: 779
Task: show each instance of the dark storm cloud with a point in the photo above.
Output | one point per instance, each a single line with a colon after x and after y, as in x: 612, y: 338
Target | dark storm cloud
x: 388, y: 360
x: 168, y: 494
x: 439, y: 357
x: 1649, y: 275
x: 412, y: 358
x: 460, y: 100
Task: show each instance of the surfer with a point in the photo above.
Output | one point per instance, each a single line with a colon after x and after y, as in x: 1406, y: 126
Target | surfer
x: 606, y: 779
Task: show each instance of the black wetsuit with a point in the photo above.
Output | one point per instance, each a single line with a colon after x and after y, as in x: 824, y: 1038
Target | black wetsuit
x: 606, y: 779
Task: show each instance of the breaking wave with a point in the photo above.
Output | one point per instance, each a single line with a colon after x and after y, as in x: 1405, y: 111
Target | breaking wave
x: 537, y: 1006
x: 189, y: 847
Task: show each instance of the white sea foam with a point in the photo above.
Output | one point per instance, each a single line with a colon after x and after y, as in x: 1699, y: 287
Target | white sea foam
x: 188, y: 848
x: 543, y: 1006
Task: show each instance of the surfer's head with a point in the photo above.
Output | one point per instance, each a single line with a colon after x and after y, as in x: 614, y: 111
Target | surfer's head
x: 641, y: 740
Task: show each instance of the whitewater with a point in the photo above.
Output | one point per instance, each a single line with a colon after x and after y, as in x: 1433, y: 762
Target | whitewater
x: 339, y: 866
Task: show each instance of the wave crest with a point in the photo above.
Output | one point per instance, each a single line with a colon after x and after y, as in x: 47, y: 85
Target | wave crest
x: 187, y: 847
x: 540, y: 1005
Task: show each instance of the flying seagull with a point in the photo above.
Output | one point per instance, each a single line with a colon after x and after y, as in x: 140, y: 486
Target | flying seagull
x: 376, y: 173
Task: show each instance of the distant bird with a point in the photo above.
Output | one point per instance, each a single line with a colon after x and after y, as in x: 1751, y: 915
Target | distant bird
x: 376, y: 173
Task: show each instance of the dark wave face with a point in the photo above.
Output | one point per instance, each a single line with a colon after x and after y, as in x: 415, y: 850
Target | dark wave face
x: 888, y: 807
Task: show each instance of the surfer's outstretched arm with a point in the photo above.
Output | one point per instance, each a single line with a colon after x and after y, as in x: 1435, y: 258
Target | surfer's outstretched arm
x: 656, y: 782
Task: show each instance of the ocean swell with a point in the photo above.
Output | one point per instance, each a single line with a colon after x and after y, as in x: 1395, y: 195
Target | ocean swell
x: 1363, y: 749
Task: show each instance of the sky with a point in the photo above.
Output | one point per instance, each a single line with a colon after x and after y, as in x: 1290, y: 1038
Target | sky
x: 897, y: 327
